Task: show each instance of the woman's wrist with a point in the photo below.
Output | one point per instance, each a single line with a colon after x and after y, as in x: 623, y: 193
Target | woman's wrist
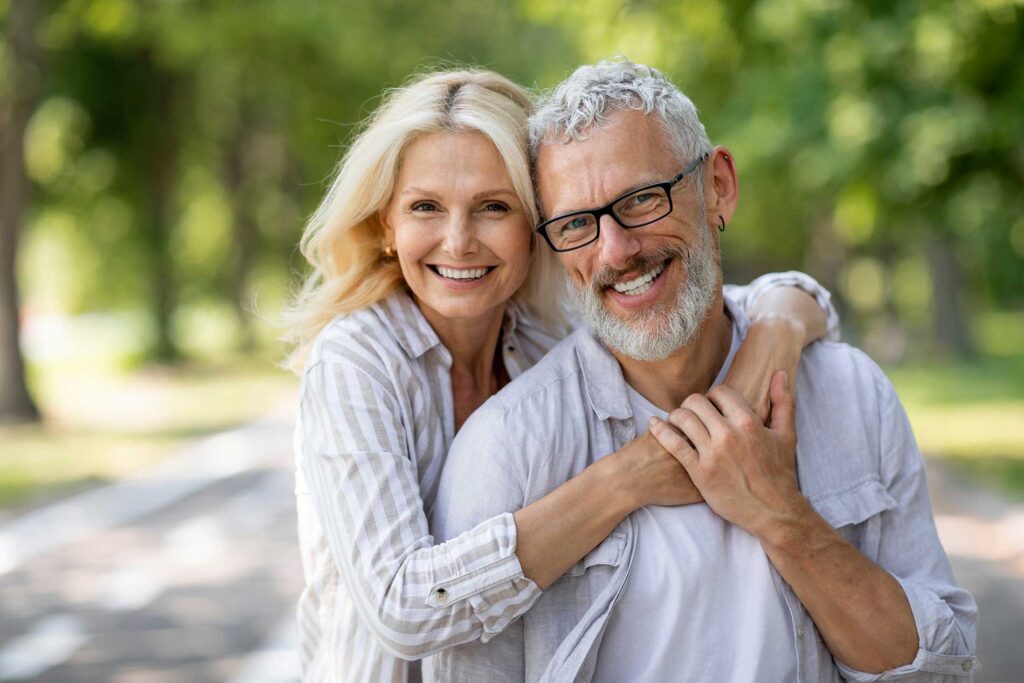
x: 781, y: 329
x: 613, y: 477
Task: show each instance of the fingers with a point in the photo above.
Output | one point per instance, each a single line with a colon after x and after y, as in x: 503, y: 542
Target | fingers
x: 694, y: 425
x: 710, y: 419
x: 733, y: 406
x: 673, y: 441
x: 783, y: 417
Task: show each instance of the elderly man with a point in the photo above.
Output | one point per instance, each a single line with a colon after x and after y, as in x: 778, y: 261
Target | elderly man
x: 816, y: 562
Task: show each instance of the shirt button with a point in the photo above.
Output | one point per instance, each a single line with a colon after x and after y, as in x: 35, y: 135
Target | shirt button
x: 799, y: 631
x: 441, y: 595
x: 967, y: 665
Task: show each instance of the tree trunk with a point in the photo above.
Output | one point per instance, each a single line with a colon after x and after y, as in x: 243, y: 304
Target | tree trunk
x: 243, y: 227
x: 950, y: 323
x: 162, y: 174
x: 26, y: 73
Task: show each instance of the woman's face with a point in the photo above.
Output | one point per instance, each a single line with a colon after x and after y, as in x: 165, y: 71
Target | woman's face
x: 461, y: 234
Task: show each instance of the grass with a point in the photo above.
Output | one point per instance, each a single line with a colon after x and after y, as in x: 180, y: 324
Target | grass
x: 969, y: 414
x: 101, y: 426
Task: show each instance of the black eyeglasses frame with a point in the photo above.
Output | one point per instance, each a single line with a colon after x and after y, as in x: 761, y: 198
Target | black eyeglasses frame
x: 606, y: 210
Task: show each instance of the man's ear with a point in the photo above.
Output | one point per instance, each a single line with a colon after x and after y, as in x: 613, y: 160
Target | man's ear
x: 722, y: 186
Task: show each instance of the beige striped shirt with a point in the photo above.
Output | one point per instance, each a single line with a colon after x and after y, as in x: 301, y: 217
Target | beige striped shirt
x: 376, y: 421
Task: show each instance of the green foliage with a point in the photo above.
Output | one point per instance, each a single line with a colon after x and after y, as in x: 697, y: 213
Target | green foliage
x: 180, y: 144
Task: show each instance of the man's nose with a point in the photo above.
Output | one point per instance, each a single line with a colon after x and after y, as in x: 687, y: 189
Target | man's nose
x: 617, y: 244
x: 459, y: 237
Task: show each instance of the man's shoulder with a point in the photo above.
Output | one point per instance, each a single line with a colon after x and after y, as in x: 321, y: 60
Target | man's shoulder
x: 540, y: 398
x: 555, y: 373
x: 838, y: 366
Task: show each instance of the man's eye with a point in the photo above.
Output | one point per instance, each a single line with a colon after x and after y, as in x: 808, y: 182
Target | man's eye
x: 643, y: 198
x: 575, y: 223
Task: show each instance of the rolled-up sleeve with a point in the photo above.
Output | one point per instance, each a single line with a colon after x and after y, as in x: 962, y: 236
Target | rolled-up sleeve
x: 416, y: 597
x: 747, y: 295
x: 945, y: 614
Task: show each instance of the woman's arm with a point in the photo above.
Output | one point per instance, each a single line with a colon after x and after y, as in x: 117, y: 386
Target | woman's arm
x: 417, y: 597
x: 787, y: 311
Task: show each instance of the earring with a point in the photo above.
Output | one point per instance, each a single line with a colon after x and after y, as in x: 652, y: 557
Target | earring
x: 388, y: 251
x: 721, y: 224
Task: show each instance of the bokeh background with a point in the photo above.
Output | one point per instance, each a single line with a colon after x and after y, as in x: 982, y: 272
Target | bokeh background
x: 158, y: 159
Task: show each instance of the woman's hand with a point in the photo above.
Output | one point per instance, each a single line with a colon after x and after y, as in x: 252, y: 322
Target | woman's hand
x: 649, y: 475
x: 771, y: 344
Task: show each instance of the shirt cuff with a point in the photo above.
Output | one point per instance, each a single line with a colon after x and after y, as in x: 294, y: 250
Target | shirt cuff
x: 494, y: 585
x: 929, y: 611
x: 795, y: 278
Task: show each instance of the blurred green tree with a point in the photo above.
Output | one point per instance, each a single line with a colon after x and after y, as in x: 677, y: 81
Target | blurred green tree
x: 20, y: 94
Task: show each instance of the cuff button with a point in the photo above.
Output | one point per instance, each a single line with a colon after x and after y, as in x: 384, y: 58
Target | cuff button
x: 441, y: 595
x: 967, y: 665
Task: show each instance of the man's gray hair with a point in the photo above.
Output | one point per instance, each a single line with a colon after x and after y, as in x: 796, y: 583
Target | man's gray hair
x: 592, y: 92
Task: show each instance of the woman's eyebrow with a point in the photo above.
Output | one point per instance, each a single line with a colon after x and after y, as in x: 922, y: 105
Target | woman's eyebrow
x: 492, y: 193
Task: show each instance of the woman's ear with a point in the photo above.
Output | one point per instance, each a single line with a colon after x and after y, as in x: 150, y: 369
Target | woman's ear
x: 386, y: 229
x: 722, y: 186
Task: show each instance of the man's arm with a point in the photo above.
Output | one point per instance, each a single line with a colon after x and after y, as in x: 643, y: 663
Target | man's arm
x: 913, y: 620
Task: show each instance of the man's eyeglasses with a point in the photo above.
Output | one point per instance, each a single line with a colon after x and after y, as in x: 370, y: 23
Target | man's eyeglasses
x: 634, y: 209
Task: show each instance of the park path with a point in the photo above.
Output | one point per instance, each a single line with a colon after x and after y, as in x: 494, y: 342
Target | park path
x: 189, y: 571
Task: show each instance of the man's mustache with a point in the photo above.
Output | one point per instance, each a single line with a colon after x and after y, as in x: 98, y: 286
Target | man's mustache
x: 641, y: 263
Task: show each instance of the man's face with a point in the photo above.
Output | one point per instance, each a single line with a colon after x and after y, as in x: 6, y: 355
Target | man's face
x: 644, y: 291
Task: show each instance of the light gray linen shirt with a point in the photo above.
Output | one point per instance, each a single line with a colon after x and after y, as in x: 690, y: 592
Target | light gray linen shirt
x: 376, y: 420
x: 857, y: 463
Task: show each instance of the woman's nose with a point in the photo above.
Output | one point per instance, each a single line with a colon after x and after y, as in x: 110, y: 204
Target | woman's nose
x: 459, y: 238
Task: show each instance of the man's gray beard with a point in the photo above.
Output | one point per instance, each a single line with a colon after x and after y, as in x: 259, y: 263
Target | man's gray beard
x: 655, y: 333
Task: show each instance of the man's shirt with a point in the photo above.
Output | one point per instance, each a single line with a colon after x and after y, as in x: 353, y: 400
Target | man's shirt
x: 857, y: 463
x: 670, y: 612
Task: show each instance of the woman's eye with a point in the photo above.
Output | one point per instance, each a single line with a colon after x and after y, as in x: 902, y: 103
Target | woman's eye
x: 495, y: 207
x: 424, y: 206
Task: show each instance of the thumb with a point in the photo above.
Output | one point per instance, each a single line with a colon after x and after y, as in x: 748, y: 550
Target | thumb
x: 783, y: 416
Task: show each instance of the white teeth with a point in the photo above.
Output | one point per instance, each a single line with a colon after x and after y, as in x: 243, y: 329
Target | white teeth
x: 641, y: 284
x: 462, y: 273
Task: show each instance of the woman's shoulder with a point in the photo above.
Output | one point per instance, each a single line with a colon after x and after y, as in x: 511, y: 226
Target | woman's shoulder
x: 379, y: 333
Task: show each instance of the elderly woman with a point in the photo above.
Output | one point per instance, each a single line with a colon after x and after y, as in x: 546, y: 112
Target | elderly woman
x: 428, y: 294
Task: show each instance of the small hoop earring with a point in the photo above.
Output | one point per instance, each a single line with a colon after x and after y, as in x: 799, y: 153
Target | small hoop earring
x: 721, y: 224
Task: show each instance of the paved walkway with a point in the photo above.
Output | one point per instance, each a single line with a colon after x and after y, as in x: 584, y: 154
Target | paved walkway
x: 189, y: 572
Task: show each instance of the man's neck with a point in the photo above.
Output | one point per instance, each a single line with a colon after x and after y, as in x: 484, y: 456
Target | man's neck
x: 689, y: 370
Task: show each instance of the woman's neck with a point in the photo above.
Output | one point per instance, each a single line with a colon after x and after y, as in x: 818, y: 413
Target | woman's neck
x: 477, y: 370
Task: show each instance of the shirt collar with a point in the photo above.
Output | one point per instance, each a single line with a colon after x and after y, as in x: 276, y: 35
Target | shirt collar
x: 602, y: 374
x: 409, y: 326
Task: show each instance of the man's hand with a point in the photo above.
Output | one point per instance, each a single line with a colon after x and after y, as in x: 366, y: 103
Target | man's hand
x: 745, y: 471
x: 650, y: 475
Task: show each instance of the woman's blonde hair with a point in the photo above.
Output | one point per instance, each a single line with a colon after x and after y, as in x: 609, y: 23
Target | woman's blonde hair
x: 343, y: 240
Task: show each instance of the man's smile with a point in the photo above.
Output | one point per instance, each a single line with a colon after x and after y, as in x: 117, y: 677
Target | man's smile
x: 640, y: 284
